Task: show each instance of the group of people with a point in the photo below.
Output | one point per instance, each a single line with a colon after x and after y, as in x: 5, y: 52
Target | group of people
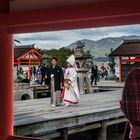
x: 103, y: 72
x: 56, y: 78
x: 97, y: 74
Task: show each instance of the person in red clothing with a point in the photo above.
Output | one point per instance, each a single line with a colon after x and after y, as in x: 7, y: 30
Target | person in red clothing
x: 130, y: 103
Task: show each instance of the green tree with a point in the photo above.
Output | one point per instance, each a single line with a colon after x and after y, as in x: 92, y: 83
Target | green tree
x: 62, y: 54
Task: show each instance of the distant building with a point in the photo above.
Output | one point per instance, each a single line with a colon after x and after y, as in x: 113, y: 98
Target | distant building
x: 26, y: 55
x: 129, y: 57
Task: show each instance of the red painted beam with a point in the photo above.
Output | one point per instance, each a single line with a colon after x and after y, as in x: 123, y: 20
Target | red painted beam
x: 36, y: 52
x: 26, y: 63
x: 27, y: 53
x: 28, y: 59
x: 130, y: 60
x: 22, y: 138
x: 112, y: 21
x: 4, y: 6
x: 114, y: 12
x: 120, y: 69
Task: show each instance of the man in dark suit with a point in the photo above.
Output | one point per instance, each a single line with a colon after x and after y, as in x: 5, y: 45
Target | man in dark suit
x: 43, y: 72
x: 56, y: 78
x: 94, y: 76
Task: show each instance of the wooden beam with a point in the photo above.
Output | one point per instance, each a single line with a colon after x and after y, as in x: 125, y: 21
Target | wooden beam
x: 23, y: 138
x: 120, y: 69
x: 105, y: 22
x: 116, y: 121
x: 103, y: 131
x: 33, y: 59
x: 23, y: 63
x: 18, y: 64
x: 130, y: 60
x: 64, y: 134
x: 39, y: 62
x: 30, y: 59
x: 65, y: 122
x: 4, y: 6
x: 83, y: 128
x: 36, y: 52
x: 27, y: 53
x: 82, y: 16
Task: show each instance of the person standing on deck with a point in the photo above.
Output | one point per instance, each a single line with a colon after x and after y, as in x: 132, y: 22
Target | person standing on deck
x: 130, y: 103
x: 34, y: 73
x: 47, y: 81
x: 56, y: 78
x: 43, y: 73
x: 94, y: 74
x: 70, y: 94
x: 38, y: 75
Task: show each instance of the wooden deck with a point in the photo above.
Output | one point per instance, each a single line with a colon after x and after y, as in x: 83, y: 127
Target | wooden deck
x: 107, y: 85
x: 38, y: 118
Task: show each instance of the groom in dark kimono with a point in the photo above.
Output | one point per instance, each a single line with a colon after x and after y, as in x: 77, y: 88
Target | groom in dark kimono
x: 56, y: 78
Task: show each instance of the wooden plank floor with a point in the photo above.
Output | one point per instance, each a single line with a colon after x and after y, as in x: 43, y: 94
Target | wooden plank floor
x: 34, y: 117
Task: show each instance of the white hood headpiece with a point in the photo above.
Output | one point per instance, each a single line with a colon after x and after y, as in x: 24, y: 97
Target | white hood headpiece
x: 72, y: 61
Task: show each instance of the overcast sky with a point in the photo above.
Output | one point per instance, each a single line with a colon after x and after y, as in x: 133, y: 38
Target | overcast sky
x: 57, y: 39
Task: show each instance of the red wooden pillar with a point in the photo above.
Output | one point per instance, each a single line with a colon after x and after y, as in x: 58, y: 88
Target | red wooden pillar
x: 18, y: 64
x: 6, y: 84
x: 129, y: 63
x: 120, y: 69
x: 39, y: 62
x: 29, y: 67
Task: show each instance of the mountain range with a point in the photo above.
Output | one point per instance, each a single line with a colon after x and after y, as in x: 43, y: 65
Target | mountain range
x: 101, y: 47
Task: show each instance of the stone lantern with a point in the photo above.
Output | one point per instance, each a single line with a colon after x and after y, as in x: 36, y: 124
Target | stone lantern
x: 81, y: 57
x: 111, y: 75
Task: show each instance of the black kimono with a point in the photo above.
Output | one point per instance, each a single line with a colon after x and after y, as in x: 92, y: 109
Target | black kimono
x: 55, y: 84
x: 58, y: 76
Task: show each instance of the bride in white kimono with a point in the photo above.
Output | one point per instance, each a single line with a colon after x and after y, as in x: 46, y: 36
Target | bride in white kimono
x: 70, y: 94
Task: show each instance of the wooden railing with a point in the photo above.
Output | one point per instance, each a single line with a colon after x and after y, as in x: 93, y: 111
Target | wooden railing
x: 41, y: 91
x: 22, y: 138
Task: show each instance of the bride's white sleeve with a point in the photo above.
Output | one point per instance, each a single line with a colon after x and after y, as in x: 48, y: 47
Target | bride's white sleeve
x: 73, y: 75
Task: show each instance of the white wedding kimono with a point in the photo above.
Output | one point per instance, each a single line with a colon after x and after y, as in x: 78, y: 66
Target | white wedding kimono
x: 71, y: 95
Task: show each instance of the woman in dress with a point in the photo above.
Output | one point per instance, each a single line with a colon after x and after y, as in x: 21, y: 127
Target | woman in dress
x: 70, y: 94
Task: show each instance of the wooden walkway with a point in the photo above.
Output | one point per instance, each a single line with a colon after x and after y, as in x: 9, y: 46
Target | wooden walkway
x: 107, y: 85
x: 38, y: 118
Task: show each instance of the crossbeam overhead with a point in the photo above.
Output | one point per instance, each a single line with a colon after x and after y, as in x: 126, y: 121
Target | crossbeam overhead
x: 71, y: 17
